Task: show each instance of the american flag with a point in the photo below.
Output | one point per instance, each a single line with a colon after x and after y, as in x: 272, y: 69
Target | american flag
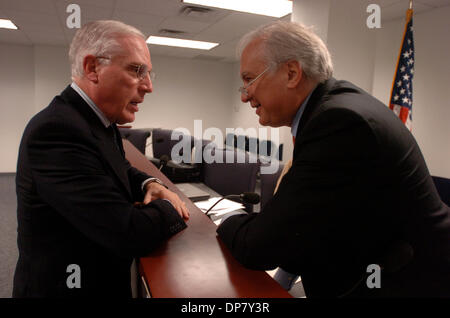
x: 401, y: 93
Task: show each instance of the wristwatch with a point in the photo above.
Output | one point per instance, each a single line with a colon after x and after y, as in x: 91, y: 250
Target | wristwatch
x: 150, y: 180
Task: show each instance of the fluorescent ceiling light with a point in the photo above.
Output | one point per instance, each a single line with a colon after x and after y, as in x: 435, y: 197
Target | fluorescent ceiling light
x: 272, y: 8
x: 181, y: 43
x: 7, y: 24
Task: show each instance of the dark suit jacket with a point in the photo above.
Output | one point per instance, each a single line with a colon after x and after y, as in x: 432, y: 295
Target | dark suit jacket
x: 75, y: 193
x: 358, y: 193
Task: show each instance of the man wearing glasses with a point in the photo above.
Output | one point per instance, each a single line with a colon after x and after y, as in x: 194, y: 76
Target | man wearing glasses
x: 76, y: 191
x: 358, y: 194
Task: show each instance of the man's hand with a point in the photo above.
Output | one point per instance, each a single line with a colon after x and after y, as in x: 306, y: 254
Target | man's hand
x: 154, y: 190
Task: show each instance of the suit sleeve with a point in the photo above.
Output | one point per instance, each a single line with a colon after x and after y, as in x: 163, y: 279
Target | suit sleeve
x: 72, y: 177
x: 321, y: 192
x: 136, y: 178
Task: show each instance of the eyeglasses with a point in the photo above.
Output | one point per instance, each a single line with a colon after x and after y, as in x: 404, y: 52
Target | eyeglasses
x: 243, y: 89
x: 141, y: 70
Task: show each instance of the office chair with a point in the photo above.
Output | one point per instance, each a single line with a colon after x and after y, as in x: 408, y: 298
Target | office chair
x: 163, y: 143
x: 230, y: 178
x: 230, y: 140
x: 184, y: 171
x: 280, y: 152
x: 265, y: 147
x: 241, y: 142
x: 138, y: 137
x: 252, y: 145
x: 256, y: 146
x: 197, y: 154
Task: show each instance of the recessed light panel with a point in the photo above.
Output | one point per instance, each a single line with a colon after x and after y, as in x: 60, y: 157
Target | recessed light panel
x: 272, y: 8
x: 181, y: 43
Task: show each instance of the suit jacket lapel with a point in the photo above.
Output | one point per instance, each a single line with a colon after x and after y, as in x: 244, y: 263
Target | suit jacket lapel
x: 312, y: 108
x: 103, y: 138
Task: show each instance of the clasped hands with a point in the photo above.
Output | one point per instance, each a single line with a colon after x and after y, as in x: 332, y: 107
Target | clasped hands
x: 154, y: 190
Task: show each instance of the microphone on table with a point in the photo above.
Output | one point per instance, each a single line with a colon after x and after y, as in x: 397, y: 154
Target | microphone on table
x: 246, y: 197
x: 163, y: 160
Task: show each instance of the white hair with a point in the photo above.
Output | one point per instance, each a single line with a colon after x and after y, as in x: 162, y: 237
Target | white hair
x: 98, y: 38
x: 285, y: 41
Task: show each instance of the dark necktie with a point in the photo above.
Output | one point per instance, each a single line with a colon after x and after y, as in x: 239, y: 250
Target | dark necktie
x: 114, y: 134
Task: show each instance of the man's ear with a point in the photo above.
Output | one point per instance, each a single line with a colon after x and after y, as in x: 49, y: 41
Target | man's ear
x: 295, y: 74
x: 90, y: 68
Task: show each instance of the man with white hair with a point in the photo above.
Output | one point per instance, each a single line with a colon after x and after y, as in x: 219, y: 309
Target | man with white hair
x: 357, y: 214
x: 79, y: 226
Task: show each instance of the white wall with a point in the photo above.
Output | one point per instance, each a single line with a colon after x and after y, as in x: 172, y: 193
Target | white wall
x: 16, y: 100
x: 315, y: 13
x: 431, y: 100
x: 51, y: 73
x: 185, y: 90
x: 351, y: 43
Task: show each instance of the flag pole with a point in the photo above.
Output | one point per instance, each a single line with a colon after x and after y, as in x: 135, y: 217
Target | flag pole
x: 410, y: 4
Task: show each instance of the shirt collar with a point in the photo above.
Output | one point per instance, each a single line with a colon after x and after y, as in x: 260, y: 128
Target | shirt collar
x: 91, y: 104
x: 299, y: 114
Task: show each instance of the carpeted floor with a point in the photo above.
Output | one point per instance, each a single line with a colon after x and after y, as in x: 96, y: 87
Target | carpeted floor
x: 8, y: 233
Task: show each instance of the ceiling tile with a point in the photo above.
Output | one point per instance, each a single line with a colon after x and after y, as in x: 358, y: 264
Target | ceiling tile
x: 158, y: 49
x: 183, y: 25
x: 385, y: 3
x: 110, y: 4
x: 40, y: 6
x: 212, y: 16
x: 225, y: 49
x: 434, y: 3
x: 44, y: 22
x: 33, y: 20
x: 14, y: 36
x: 232, y: 26
x: 147, y: 23
x: 88, y: 12
x: 398, y: 10
x: 164, y: 8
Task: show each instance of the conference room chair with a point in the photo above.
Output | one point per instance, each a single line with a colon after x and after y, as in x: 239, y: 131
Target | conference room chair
x: 190, y: 171
x: 230, y: 140
x: 138, y: 137
x: 163, y: 144
x: 267, y: 147
x: 254, y: 145
x: 230, y: 178
x: 241, y: 142
x: 280, y: 152
x: 197, y: 154
x: 443, y: 188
